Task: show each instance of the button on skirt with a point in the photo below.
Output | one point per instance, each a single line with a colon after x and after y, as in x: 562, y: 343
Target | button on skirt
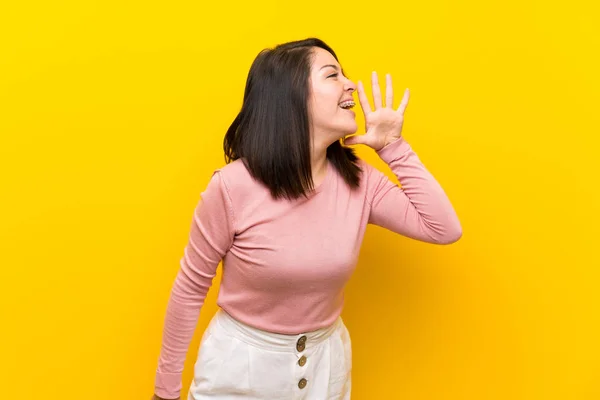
x: 236, y: 361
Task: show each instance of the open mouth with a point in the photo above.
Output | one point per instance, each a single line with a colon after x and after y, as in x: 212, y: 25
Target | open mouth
x: 348, y: 104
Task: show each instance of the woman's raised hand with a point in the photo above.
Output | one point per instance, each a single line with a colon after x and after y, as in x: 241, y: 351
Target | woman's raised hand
x: 384, y: 125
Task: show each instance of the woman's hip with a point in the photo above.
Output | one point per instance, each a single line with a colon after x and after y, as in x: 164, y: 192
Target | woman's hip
x: 239, y: 361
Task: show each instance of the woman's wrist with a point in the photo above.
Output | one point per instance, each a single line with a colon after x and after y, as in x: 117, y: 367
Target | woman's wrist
x: 390, y: 141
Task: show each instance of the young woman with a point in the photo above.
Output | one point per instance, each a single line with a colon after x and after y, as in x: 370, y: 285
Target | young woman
x: 287, y: 215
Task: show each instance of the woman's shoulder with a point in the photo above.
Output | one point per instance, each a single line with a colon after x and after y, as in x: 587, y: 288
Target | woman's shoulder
x: 366, y: 168
x: 235, y: 170
x: 370, y: 175
x: 237, y: 179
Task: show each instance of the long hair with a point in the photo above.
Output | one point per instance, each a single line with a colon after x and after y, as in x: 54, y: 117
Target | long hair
x: 271, y: 133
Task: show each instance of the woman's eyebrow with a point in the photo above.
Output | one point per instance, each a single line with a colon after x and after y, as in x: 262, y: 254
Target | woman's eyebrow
x: 336, y: 68
x: 329, y: 65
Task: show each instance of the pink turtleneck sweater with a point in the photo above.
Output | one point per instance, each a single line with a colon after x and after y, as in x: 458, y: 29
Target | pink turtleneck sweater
x: 285, y: 263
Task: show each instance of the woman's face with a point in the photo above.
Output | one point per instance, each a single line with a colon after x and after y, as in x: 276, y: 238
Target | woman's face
x: 329, y: 91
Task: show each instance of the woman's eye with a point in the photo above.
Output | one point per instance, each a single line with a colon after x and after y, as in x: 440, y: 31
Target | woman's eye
x: 333, y: 75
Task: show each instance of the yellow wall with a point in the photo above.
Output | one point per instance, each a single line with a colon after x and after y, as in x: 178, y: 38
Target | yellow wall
x: 111, y: 122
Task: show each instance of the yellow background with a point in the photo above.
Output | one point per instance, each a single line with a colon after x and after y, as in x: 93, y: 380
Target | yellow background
x: 111, y: 120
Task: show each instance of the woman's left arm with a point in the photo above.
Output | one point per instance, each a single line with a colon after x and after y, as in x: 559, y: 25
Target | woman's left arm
x: 420, y: 208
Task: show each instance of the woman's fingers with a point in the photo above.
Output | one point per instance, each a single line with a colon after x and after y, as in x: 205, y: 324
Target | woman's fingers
x: 404, y: 102
x: 376, y: 91
x: 362, y: 98
x: 389, y: 91
x: 377, y: 100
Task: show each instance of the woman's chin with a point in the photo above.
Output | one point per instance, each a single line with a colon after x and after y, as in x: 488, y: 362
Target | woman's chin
x: 341, y: 131
x: 347, y: 133
x: 352, y: 128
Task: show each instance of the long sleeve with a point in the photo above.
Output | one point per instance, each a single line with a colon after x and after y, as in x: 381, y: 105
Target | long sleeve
x: 420, y: 208
x: 211, y: 236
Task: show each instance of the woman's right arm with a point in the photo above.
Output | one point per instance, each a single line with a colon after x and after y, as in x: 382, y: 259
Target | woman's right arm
x: 211, y: 236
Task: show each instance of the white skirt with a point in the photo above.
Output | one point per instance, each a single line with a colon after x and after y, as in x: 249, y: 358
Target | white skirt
x: 236, y: 361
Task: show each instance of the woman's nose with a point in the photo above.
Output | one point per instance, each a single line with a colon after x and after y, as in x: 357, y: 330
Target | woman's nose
x: 350, y: 86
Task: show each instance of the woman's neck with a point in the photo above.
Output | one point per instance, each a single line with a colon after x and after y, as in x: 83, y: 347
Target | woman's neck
x: 318, y: 165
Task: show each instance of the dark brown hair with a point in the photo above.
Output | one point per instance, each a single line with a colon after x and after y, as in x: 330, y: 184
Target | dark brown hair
x: 271, y: 132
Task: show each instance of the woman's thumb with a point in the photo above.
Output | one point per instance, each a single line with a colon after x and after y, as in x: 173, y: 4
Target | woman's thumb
x: 356, y: 139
